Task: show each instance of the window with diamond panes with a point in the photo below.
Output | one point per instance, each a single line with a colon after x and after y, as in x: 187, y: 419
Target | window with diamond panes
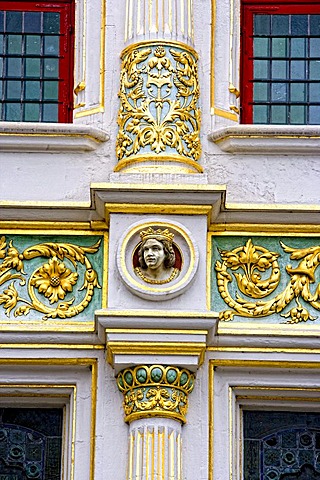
x: 280, y: 62
x: 36, y: 61
x: 281, y: 445
x: 31, y: 443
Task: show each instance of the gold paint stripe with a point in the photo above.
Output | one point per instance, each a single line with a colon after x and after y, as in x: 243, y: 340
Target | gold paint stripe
x: 213, y: 33
x: 164, y: 160
x: 264, y: 364
x: 231, y: 433
x: 155, y: 330
x: 116, y: 187
x: 170, y: 15
x: 131, y: 453
x: 182, y: 17
x: 179, y: 466
x: 51, y: 346
x: 211, y: 420
x: 224, y: 114
x: 172, y: 455
x: 153, y: 454
x: 94, y: 386
x: 139, y: 451
x: 264, y: 349
x: 263, y: 229
x: 160, y: 313
x: 15, y: 226
x: 73, y: 434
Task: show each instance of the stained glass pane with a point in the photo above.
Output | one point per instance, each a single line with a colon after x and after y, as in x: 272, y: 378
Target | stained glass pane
x: 281, y: 445
x: 286, y: 56
x: 30, y: 44
x: 30, y: 443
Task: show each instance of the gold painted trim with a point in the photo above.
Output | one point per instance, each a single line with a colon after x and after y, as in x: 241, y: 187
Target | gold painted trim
x: 224, y: 114
x: 268, y: 329
x: 214, y: 363
x: 100, y: 107
x: 176, y: 43
x: 50, y: 346
x: 86, y: 362
x: 220, y: 229
x: 314, y: 351
x: 212, y: 54
x: 157, y: 186
x: 159, y: 313
x: 155, y: 330
x: 157, y: 208
x: 17, y: 226
x: 154, y: 414
x: 156, y: 348
x: 170, y: 158
x: 47, y: 326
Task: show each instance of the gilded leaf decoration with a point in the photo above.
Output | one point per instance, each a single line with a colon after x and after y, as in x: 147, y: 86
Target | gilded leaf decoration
x: 49, y: 284
x: 244, y: 266
x: 159, y: 91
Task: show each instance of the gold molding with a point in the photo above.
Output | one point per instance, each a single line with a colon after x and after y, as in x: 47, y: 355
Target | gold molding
x: 159, y: 313
x: 85, y: 362
x: 157, y: 208
x: 214, y: 363
x: 291, y: 350
x: 224, y: 114
x: 267, y: 329
x: 220, y: 229
x: 51, y: 346
x: 100, y: 107
x: 130, y: 164
x: 153, y: 43
x: 156, y: 348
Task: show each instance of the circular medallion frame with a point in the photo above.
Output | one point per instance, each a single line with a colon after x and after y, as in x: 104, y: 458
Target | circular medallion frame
x: 183, y: 270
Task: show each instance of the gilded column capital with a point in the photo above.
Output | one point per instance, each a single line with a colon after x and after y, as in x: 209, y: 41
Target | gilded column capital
x: 155, y: 391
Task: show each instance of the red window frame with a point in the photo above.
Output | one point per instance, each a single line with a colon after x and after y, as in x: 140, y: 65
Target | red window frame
x: 66, y: 53
x: 248, y: 9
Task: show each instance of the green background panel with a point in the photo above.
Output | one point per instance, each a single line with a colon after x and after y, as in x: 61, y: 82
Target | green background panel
x: 272, y: 243
x: 21, y: 242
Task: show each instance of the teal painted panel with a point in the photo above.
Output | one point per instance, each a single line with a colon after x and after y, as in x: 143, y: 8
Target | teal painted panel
x: 274, y: 279
x: 50, y: 277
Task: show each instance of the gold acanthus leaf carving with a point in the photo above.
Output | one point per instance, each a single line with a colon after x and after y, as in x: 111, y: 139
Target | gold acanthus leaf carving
x: 52, y: 279
x: 159, y: 90
x: 253, y: 259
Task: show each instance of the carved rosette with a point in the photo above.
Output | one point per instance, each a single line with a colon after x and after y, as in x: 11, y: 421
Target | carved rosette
x: 155, y: 391
x: 159, y: 120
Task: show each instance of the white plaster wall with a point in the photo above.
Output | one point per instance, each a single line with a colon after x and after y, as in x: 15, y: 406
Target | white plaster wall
x: 249, y: 178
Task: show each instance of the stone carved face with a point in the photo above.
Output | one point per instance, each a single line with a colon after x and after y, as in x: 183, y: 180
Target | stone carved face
x: 153, y: 253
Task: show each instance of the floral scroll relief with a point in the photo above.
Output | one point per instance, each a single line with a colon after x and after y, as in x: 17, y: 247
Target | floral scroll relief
x: 248, y: 264
x: 158, y: 103
x: 52, y: 280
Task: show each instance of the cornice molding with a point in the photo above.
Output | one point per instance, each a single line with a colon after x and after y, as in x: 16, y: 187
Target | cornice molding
x: 268, y: 139
x: 49, y: 137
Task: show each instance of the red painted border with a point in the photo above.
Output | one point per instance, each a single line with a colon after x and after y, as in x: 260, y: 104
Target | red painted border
x: 66, y: 63
x: 248, y: 9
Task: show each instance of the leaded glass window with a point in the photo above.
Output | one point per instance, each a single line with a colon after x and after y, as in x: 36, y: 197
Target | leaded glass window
x: 281, y: 63
x: 30, y: 443
x: 281, y: 445
x: 36, y: 61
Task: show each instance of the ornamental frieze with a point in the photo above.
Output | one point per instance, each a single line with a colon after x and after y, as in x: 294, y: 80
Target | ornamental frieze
x: 50, y: 277
x: 275, y: 279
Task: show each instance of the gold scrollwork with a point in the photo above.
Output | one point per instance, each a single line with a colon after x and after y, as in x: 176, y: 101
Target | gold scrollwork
x: 52, y: 279
x: 253, y: 260
x: 159, y: 90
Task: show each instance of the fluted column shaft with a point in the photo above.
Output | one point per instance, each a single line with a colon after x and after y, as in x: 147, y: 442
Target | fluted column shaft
x: 155, y: 450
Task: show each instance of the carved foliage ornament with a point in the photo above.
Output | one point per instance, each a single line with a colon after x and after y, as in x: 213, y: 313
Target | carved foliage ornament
x: 159, y: 90
x: 256, y: 272
x: 52, y: 280
x: 155, y: 390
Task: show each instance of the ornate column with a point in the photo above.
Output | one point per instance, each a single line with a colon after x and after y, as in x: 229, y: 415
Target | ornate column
x: 159, y: 120
x: 155, y: 370
x: 155, y: 405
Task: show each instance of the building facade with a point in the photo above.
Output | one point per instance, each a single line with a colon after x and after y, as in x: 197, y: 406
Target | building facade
x: 159, y: 244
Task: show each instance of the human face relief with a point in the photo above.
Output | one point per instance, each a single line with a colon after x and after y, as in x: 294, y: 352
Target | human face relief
x: 153, y: 253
